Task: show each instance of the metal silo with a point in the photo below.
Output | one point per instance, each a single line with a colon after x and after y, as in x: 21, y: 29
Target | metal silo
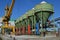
x: 43, y: 12
x: 31, y: 19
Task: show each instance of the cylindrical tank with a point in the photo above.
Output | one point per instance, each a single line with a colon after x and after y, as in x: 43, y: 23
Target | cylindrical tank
x: 31, y: 19
x: 42, y: 12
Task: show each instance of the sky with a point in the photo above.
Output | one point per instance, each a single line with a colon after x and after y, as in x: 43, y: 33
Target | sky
x: 22, y: 6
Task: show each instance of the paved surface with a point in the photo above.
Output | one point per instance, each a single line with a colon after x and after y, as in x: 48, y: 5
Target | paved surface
x: 28, y: 37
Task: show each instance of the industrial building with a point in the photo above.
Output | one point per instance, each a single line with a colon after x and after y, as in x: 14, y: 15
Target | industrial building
x: 36, y: 20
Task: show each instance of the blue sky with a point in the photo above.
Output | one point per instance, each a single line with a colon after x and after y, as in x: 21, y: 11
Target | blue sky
x: 22, y: 6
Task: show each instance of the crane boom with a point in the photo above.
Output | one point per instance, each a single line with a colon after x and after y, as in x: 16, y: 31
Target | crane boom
x: 9, y: 10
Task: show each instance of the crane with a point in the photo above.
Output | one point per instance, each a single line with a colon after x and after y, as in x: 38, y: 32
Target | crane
x: 6, y: 19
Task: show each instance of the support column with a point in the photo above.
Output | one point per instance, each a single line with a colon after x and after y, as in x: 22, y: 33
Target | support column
x: 29, y: 27
x: 31, y: 23
x: 26, y: 25
x: 23, y: 27
x: 34, y: 23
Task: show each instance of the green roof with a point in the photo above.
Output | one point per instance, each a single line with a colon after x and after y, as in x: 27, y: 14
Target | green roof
x: 44, y: 7
x: 30, y: 12
x: 24, y: 16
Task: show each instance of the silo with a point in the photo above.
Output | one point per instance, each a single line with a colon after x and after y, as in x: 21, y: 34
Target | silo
x: 31, y: 19
x: 18, y: 25
x: 43, y: 12
x: 24, y: 24
x: 28, y: 24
